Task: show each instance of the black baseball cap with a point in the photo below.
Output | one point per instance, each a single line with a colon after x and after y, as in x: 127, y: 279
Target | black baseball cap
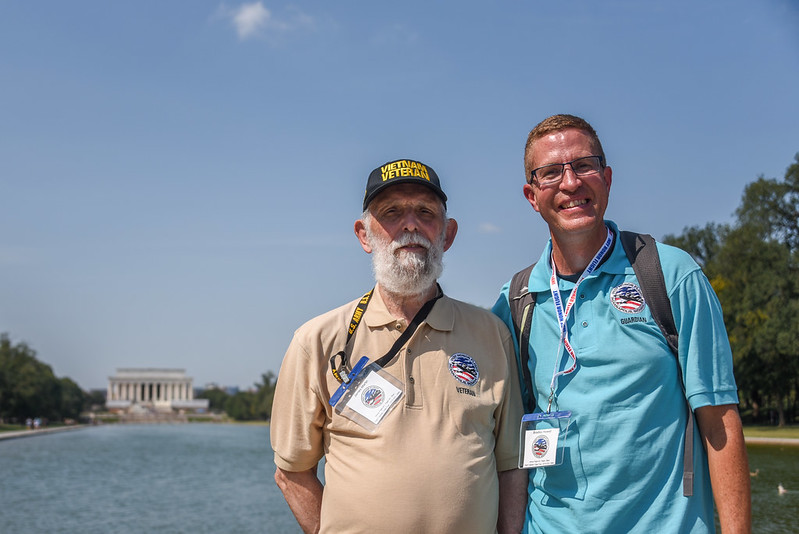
x: 402, y: 171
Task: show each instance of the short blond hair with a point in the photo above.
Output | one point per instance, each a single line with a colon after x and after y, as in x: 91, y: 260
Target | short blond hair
x: 556, y: 123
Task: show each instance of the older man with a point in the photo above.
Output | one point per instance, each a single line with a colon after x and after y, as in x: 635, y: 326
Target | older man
x: 596, y: 351
x: 410, y: 396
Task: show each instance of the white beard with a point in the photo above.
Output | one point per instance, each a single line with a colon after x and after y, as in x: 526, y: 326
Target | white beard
x: 402, y: 272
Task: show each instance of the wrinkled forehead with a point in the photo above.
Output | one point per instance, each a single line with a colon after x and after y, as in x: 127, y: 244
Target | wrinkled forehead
x: 407, y: 195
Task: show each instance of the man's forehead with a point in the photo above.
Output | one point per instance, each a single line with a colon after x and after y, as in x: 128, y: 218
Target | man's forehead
x: 564, y: 138
x: 405, y: 194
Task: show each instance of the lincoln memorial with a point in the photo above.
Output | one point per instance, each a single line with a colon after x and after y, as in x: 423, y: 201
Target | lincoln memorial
x: 161, y: 389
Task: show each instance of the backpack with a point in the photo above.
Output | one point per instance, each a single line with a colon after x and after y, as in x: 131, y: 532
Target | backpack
x: 642, y: 253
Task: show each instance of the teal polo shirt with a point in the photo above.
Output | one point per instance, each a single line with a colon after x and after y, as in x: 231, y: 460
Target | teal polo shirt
x: 622, y: 468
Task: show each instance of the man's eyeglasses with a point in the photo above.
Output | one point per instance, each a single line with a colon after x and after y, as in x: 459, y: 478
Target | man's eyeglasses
x: 553, y: 173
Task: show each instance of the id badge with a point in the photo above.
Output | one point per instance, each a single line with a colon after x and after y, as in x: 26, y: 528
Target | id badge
x: 541, y: 439
x: 370, y: 395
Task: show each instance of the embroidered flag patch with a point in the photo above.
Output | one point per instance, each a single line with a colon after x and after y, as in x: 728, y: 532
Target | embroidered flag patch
x: 627, y: 298
x: 464, y: 368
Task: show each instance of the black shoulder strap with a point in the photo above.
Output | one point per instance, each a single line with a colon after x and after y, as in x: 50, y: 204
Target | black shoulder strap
x: 642, y: 252
x: 521, y: 310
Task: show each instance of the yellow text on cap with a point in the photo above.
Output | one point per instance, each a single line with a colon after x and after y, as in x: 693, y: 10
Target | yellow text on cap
x: 403, y: 168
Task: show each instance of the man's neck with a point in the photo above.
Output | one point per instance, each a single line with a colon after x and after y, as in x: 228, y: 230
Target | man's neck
x: 406, y: 306
x: 572, y: 254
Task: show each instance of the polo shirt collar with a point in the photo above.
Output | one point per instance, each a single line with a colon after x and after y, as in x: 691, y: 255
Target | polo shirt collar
x: 441, y: 317
x: 617, y: 263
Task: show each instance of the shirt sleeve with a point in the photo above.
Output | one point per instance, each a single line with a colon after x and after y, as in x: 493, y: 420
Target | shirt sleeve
x: 509, y: 418
x: 298, y: 414
x: 704, y: 349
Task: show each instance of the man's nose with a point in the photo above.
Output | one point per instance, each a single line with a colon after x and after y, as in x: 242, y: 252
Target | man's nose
x: 409, y: 222
x: 570, y: 179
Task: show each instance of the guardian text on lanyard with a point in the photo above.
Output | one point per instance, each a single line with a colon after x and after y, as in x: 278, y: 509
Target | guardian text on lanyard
x: 542, y: 434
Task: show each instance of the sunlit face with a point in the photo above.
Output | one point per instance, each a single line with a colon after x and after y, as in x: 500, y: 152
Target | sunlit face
x: 407, y: 233
x: 575, y: 206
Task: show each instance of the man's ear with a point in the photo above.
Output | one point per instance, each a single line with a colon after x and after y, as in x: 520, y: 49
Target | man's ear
x: 451, y: 231
x: 529, y: 194
x: 607, y: 174
x: 360, y: 232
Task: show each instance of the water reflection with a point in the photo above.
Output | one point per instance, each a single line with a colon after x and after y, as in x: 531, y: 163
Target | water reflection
x: 197, y: 478
x: 770, y: 466
x: 190, y: 478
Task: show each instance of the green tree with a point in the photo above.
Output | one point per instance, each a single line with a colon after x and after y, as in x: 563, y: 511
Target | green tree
x: 73, y: 399
x: 95, y: 399
x: 754, y: 267
x: 701, y: 243
x: 240, y: 406
x: 28, y: 387
x: 758, y: 292
x: 217, y: 398
x: 772, y: 206
x: 263, y: 396
x: 769, y: 213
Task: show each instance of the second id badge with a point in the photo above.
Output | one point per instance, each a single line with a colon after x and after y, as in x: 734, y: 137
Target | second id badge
x: 371, y: 394
x: 541, y: 439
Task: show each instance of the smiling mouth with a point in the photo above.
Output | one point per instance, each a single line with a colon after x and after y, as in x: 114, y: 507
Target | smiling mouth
x: 574, y: 203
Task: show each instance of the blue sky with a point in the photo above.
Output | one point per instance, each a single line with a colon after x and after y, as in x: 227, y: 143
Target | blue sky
x: 180, y: 179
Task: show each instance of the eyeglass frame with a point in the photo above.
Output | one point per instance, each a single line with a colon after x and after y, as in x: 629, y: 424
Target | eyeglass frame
x: 563, y: 169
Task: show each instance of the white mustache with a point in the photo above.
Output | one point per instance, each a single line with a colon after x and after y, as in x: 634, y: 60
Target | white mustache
x: 406, y: 272
x: 410, y: 238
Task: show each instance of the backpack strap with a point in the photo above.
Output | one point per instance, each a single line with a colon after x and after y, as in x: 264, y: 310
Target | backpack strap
x: 521, y: 310
x: 641, y: 250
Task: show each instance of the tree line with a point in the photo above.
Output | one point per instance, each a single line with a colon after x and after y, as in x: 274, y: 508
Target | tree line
x: 29, y: 389
x: 753, y: 265
x: 255, y: 405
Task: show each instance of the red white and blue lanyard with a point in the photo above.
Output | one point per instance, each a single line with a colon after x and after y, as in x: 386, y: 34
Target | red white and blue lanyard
x: 562, y: 314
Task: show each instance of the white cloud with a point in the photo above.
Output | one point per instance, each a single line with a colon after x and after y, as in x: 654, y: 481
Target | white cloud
x: 249, y: 19
x: 489, y: 228
x: 254, y: 20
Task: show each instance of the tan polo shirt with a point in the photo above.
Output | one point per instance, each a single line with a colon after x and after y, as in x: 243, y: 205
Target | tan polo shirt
x: 431, y: 465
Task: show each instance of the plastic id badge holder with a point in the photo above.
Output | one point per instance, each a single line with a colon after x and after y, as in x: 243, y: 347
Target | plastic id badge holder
x: 369, y: 396
x: 541, y: 439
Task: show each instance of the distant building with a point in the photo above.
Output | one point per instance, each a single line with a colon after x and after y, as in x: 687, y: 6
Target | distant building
x: 164, y: 390
x: 230, y: 390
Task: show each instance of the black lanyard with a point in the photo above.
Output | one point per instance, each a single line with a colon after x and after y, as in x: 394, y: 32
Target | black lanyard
x: 341, y: 372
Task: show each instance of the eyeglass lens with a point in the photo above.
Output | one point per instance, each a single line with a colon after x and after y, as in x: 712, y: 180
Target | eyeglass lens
x: 580, y: 166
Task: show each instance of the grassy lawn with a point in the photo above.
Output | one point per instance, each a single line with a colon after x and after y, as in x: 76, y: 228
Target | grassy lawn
x: 771, y: 432
x: 10, y: 428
